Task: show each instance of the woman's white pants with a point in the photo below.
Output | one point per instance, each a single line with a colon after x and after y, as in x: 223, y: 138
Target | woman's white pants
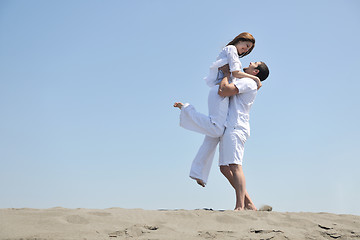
x: 212, y: 126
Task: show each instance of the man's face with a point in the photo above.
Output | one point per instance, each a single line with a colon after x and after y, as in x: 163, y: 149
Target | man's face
x: 251, y: 69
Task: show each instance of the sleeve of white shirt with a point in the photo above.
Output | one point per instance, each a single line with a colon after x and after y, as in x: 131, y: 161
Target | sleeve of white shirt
x: 233, y: 58
x: 245, y: 84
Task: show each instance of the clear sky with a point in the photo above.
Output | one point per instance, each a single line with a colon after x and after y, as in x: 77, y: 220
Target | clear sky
x: 87, y: 87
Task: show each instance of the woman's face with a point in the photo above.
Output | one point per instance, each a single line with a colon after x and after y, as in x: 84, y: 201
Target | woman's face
x: 243, y: 47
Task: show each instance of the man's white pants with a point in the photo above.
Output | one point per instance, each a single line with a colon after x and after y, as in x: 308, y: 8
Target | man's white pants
x: 212, y: 126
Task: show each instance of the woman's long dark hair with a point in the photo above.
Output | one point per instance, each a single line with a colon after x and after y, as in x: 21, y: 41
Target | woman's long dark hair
x: 243, y: 37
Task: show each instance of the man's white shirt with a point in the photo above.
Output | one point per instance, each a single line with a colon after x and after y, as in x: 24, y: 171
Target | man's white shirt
x: 240, y: 105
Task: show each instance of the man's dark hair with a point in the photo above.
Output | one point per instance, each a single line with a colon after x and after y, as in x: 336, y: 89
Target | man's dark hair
x: 263, y: 71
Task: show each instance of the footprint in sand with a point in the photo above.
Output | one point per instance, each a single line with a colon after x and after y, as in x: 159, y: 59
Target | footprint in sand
x: 269, y: 234
x: 31, y: 238
x: 216, y: 234
x: 76, y: 219
x: 228, y: 219
x: 100, y: 214
x: 133, y: 231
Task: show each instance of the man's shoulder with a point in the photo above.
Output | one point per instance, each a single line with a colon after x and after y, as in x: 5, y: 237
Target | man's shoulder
x: 248, y: 82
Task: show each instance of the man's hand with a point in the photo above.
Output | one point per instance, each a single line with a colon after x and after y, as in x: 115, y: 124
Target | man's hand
x: 226, y: 70
x: 227, y: 89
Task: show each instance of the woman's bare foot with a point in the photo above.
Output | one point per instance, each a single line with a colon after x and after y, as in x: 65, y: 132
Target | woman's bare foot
x: 200, y: 182
x: 178, y: 105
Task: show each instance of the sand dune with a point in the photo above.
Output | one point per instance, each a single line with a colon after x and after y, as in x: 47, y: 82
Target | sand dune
x: 117, y: 223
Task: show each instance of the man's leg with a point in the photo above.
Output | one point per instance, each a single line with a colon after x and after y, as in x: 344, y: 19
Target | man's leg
x: 201, y: 165
x: 236, y: 177
x: 230, y: 161
x: 239, y: 185
x: 249, y: 205
x: 226, y: 171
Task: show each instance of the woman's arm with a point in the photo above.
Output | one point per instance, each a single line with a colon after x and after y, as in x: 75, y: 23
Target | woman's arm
x: 235, y: 65
x: 240, y: 74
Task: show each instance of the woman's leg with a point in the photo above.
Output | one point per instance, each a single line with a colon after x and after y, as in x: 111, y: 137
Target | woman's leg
x: 212, y: 125
x: 201, y: 165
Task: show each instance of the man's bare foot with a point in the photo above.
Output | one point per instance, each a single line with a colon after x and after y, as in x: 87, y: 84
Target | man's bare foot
x: 178, y: 105
x: 238, y: 209
x: 250, y: 207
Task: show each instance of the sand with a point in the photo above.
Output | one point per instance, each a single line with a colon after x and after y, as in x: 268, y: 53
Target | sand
x: 117, y: 223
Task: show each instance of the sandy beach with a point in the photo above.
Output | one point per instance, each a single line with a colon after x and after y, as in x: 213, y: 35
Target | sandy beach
x: 116, y: 223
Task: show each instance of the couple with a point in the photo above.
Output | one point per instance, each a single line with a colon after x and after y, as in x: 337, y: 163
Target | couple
x: 231, y: 96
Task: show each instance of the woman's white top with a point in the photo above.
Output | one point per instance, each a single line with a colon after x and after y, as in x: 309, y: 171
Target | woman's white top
x: 228, y: 55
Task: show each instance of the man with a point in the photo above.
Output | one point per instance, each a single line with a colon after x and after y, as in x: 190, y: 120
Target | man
x: 242, y: 93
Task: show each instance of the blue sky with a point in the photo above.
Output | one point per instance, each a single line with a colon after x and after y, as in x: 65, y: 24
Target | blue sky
x: 87, y: 87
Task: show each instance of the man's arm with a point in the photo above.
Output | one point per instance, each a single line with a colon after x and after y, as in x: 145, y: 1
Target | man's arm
x: 227, y: 89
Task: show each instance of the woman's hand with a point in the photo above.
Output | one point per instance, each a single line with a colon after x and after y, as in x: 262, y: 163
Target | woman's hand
x: 226, y: 70
x: 258, y: 82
